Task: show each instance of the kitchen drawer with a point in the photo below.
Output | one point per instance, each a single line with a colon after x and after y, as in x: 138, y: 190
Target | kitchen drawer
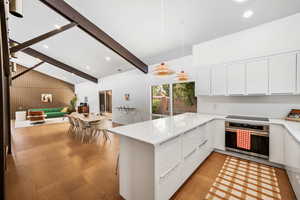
x: 169, y: 154
x: 203, y: 151
x: 190, y: 140
x: 190, y: 163
x: 169, y: 182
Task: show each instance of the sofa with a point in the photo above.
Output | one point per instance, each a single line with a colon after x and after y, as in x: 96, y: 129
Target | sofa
x: 51, y: 112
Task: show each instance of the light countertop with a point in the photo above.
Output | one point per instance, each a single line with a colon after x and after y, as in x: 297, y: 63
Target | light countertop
x: 157, y: 131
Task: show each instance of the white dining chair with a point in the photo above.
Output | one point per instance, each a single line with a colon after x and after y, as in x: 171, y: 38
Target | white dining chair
x: 99, y: 127
x: 84, y: 131
x: 71, y: 129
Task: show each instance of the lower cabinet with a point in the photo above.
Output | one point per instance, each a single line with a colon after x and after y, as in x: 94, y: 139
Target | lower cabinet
x: 218, y: 130
x: 169, y: 182
x: 180, y: 157
x: 285, y: 150
x: 292, y: 162
x: 276, y: 145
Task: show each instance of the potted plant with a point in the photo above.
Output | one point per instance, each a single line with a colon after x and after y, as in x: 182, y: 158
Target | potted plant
x: 73, y: 103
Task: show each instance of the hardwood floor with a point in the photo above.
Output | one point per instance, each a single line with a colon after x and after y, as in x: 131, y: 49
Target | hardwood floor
x: 48, y: 164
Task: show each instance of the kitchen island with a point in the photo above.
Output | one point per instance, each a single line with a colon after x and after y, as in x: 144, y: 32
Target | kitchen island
x: 156, y: 157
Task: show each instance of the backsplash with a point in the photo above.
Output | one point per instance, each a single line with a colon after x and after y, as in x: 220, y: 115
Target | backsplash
x: 264, y: 106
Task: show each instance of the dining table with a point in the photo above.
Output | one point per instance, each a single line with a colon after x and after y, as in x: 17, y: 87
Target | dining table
x: 90, y: 118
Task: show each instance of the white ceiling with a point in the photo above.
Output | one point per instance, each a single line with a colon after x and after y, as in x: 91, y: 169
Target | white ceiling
x: 138, y: 25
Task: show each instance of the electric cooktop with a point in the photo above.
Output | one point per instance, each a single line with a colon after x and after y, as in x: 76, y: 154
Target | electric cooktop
x: 264, y: 119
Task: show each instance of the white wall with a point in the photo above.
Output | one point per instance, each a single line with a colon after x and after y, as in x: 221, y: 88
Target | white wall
x: 134, y: 83
x: 271, y: 38
x: 90, y: 90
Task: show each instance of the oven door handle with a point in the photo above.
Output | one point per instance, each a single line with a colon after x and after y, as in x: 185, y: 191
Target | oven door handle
x: 258, y: 133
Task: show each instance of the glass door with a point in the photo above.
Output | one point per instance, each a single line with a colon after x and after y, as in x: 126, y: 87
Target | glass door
x: 160, y: 101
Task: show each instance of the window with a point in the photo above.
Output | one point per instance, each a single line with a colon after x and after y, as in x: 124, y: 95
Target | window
x: 184, y: 99
x: 166, y: 102
x: 160, y: 101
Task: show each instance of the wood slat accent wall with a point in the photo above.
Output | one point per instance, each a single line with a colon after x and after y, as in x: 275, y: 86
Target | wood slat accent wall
x: 27, y: 89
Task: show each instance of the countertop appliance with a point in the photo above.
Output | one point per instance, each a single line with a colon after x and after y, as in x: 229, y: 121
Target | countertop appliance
x: 259, y: 135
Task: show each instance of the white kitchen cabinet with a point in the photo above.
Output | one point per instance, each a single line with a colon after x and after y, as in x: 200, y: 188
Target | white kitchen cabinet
x: 292, y: 162
x: 218, y: 80
x: 282, y: 78
x: 298, y: 73
x: 236, y: 79
x: 170, y: 155
x: 276, y: 151
x: 218, y: 129
x: 203, y: 81
x: 257, y: 76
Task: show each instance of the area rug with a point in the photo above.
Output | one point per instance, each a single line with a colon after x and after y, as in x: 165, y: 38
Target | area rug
x: 244, y: 180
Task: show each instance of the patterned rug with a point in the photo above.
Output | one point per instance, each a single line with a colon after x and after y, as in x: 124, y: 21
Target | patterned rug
x: 244, y: 180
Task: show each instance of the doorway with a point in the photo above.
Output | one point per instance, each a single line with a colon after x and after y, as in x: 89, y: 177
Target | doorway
x: 105, y: 100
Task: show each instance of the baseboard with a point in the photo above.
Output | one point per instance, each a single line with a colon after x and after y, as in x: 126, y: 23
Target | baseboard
x: 250, y: 158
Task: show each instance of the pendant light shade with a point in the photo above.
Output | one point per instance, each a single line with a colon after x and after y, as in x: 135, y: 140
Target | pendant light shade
x: 163, y: 70
x: 16, y: 8
x: 182, y: 76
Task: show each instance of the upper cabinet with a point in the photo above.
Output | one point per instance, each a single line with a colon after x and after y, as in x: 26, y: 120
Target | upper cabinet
x: 236, y: 79
x: 282, y: 78
x: 269, y: 75
x: 257, y: 77
x: 203, y: 81
x: 298, y: 73
x: 218, y: 80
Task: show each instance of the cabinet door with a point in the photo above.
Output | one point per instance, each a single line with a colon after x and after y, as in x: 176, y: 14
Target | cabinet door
x: 277, y: 135
x: 203, y: 81
x: 283, y: 74
x: 169, y: 155
x: 218, y: 128
x: 218, y: 80
x: 298, y: 73
x: 236, y: 79
x: 292, y: 152
x: 257, y: 80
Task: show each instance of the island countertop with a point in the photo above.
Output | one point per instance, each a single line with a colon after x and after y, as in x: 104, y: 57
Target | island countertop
x: 159, y: 130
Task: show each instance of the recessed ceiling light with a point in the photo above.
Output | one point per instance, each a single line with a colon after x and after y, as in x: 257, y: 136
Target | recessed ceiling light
x: 240, y: 1
x: 45, y: 46
x: 57, y: 26
x: 248, y: 14
x: 107, y: 58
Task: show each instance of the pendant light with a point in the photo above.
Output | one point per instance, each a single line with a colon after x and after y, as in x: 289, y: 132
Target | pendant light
x: 182, y: 76
x: 162, y: 69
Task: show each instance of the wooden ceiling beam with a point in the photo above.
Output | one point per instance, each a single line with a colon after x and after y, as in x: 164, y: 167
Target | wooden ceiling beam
x: 90, y: 28
x: 27, y: 70
x: 57, y: 63
x: 40, y: 38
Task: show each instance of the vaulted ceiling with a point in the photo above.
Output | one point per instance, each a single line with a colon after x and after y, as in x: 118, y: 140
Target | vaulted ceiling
x: 150, y: 33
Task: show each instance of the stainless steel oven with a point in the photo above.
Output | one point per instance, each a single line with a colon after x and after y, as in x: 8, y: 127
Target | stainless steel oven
x: 259, y: 136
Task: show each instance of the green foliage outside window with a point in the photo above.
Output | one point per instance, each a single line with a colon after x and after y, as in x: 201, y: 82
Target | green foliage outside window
x: 185, y: 92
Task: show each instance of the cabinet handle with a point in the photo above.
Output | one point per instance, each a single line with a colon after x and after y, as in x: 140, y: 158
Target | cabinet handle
x: 203, y: 143
x: 173, y: 138
x: 190, y: 130
x: 169, y: 171
x: 190, y: 154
